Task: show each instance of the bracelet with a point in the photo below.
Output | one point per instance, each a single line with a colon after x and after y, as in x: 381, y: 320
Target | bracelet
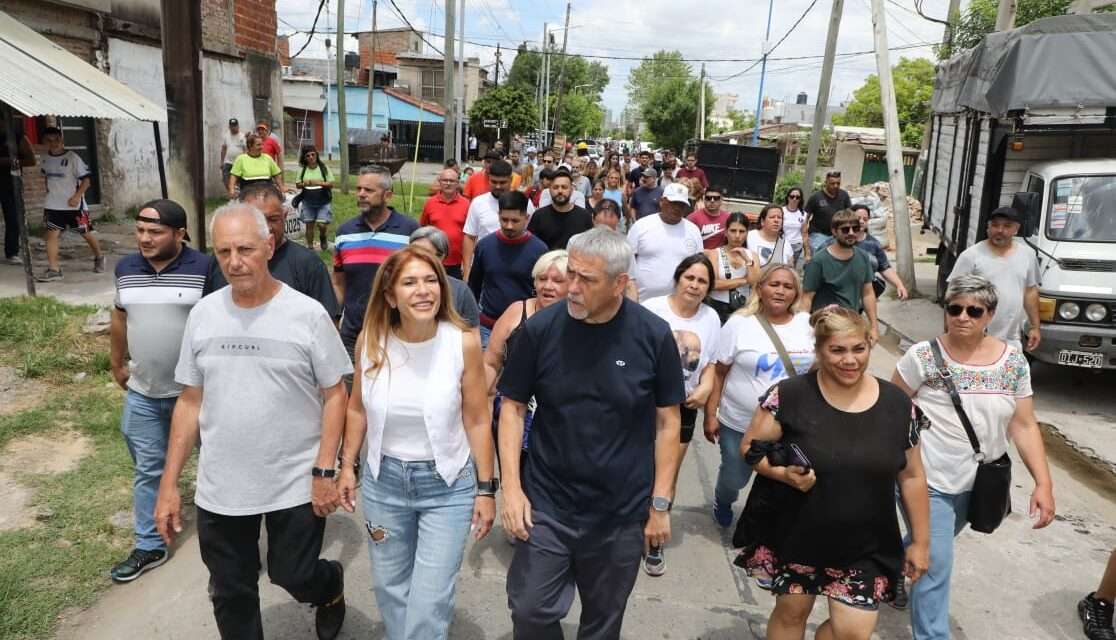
x: 486, y: 494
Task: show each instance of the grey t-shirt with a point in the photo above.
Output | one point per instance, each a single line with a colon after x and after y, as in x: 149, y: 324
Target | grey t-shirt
x: 261, y: 371
x: 464, y: 302
x: 1011, y: 275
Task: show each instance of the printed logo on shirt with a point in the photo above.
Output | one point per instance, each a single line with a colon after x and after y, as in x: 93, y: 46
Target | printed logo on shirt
x: 770, y: 366
x: 621, y: 363
x: 689, y: 352
x: 692, y: 246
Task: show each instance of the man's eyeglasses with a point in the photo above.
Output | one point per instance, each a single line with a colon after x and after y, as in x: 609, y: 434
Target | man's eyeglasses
x: 973, y: 312
x: 849, y: 228
x: 712, y: 198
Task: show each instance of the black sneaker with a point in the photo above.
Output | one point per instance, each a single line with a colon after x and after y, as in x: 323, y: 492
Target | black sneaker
x: 331, y: 615
x: 901, y: 599
x: 1096, y: 618
x: 138, y: 562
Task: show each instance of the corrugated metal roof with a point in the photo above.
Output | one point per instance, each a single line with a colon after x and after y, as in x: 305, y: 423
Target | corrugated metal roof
x: 38, y: 77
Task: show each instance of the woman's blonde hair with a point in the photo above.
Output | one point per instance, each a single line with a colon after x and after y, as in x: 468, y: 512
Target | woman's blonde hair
x: 380, y: 317
x: 835, y: 321
x: 558, y: 258
x: 755, y: 305
x: 527, y: 175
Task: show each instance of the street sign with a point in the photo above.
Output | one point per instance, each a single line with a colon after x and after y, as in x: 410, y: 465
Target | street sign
x: 495, y: 124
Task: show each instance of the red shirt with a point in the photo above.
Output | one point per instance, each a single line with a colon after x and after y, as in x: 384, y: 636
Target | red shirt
x: 450, y: 218
x: 696, y: 172
x: 477, y: 184
x: 272, y: 148
x: 712, y: 227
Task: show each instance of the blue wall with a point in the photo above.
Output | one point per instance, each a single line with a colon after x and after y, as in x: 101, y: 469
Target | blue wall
x: 384, y: 107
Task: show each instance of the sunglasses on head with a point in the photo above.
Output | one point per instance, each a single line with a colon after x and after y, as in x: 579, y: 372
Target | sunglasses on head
x: 973, y: 312
x: 849, y: 228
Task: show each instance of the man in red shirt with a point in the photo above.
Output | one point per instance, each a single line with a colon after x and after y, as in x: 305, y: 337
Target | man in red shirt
x: 691, y: 170
x: 447, y: 211
x: 477, y: 184
x: 271, y: 146
x: 712, y: 219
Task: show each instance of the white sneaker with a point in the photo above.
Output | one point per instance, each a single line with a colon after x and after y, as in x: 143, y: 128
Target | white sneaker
x: 654, y: 563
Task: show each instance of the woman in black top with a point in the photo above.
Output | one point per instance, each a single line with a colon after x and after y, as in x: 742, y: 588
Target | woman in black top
x: 835, y: 444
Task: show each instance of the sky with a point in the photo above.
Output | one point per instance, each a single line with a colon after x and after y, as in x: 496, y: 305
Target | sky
x: 700, y: 29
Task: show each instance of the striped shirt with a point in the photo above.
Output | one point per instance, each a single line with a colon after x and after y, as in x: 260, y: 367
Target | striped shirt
x: 157, y: 304
x: 358, y: 253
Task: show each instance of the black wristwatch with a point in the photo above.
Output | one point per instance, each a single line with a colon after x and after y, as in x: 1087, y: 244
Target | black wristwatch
x: 319, y: 472
x: 488, y: 487
x: 661, y: 504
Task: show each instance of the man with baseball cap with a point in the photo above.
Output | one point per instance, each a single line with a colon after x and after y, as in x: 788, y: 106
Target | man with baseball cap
x: 1013, y: 268
x: 644, y: 200
x: 155, y: 291
x: 659, y: 242
x: 232, y: 145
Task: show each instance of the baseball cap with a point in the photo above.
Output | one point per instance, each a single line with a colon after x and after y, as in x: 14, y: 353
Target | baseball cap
x: 1007, y: 212
x: 650, y: 173
x: 233, y: 122
x: 677, y: 192
x: 170, y: 213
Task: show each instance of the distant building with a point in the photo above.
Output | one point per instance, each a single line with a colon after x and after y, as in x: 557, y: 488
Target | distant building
x: 798, y: 112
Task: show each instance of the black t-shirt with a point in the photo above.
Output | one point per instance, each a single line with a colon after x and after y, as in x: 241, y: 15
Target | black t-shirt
x: 591, y: 459
x: 556, y: 228
x: 635, y: 174
x: 298, y: 267
x: 822, y: 207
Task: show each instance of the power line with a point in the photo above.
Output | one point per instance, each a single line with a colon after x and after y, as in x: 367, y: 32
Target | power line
x: 399, y: 12
x: 769, y: 51
x: 312, y: 27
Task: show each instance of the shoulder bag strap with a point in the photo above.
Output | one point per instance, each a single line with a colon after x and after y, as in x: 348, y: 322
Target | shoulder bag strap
x: 779, y: 348
x: 726, y: 264
x: 777, y: 252
x: 947, y: 380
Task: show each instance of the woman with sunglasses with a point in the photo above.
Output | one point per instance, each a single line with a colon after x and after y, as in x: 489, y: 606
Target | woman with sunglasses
x: 735, y: 268
x: 994, y: 382
x: 768, y: 241
x: 794, y: 222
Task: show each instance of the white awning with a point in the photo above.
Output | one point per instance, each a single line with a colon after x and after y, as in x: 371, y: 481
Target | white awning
x: 38, y: 77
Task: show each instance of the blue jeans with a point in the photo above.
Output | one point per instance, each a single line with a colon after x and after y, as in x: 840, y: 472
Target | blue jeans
x: 485, y: 336
x: 734, y: 472
x: 930, y: 595
x: 146, y: 425
x: 417, y: 526
x: 316, y: 213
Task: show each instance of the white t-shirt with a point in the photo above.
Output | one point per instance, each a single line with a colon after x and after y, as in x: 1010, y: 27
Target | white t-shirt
x: 576, y: 197
x: 483, y: 217
x: 234, y: 145
x: 792, y: 225
x: 658, y: 248
x: 63, y: 174
x: 261, y: 371
x: 764, y: 249
x: 755, y: 364
x: 988, y: 394
x: 696, y: 337
x: 1012, y: 275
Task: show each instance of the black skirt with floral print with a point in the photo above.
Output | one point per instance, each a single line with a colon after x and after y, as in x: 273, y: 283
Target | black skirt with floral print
x: 863, y: 588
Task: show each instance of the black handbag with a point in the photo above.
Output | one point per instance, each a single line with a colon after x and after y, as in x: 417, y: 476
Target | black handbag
x: 990, y: 500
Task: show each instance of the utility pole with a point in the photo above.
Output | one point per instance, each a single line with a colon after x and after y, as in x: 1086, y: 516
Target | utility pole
x: 823, y: 94
x: 329, y: 81
x: 763, y: 76
x: 342, y: 114
x: 371, y: 68
x: 462, y: 88
x: 699, y: 128
x: 542, y: 73
x: 182, y: 64
x: 449, y: 137
x: 953, y: 16
x: 1005, y: 16
x: 562, y: 73
x: 497, y: 64
x: 904, y: 257
x: 546, y: 87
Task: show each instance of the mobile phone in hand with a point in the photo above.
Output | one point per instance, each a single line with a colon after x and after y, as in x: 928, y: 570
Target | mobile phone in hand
x: 798, y: 458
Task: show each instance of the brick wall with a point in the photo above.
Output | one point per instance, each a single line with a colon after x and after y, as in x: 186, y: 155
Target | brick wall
x: 255, y: 25
x: 217, y: 25
x: 284, y: 45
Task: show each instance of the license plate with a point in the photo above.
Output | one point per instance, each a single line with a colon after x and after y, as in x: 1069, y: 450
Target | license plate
x: 1081, y: 359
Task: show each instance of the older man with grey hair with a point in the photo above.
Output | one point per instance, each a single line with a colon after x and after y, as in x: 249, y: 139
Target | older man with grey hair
x: 261, y: 368
x: 437, y: 242
x: 597, y: 486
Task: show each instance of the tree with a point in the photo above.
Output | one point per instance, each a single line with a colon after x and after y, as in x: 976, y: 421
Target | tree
x: 581, y: 116
x: 914, y: 84
x: 581, y: 89
x: 664, y: 89
x: 980, y: 19
x: 505, y: 103
x: 660, y: 67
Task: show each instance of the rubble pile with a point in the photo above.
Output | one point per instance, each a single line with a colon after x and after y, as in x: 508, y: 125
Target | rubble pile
x: 878, y: 198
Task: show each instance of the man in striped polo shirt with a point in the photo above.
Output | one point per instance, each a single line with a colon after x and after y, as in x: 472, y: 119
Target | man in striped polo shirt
x: 361, y: 246
x: 155, y: 290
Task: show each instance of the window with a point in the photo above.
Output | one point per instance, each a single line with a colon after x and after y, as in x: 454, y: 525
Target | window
x: 433, y: 84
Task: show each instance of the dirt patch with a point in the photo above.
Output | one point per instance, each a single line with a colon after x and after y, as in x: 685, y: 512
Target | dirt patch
x: 57, y: 453
x: 18, y: 392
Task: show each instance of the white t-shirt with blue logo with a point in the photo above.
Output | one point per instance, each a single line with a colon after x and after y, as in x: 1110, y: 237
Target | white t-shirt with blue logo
x: 755, y: 363
x: 63, y: 173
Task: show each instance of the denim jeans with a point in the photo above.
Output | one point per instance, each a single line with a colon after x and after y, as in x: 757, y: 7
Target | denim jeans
x: 146, y: 426
x: 485, y: 336
x: 930, y: 595
x: 734, y: 473
x: 417, y: 528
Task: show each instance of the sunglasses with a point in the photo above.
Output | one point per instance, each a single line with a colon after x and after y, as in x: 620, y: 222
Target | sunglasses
x: 794, y: 197
x: 852, y: 228
x: 712, y: 198
x: 973, y: 312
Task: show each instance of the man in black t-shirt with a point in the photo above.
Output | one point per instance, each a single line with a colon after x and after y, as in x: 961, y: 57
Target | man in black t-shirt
x: 560, y: 220
x: 820, y: 209
x: 596, y: 486
x: 644, y: 163
x: 293, y: 264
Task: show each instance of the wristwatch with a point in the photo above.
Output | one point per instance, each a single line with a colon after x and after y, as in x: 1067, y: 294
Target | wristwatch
x: 488, y: 487
x: 659, y: 503
x: 319, y: 472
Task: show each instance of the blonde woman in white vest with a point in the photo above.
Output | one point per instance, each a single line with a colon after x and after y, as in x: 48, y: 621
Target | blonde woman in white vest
x: 419, y: 398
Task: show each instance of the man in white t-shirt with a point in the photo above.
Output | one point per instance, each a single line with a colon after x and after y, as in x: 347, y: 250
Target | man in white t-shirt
x: 232, y: 145
x: 67, y: 179
x: 483, y: 217
x: 261, y: 367
x: 660, y: 241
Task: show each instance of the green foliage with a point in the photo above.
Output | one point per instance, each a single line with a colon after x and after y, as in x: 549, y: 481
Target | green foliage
x: 740, y: 121
x: 665, y: 91
x: 581, y: 116
x: 505, y: 103
x: 662, y: 66
x: 979, y: 19
x: 792, y: 179
x: 579, y: 81
x: 45, y: 339
x: 914, y: 84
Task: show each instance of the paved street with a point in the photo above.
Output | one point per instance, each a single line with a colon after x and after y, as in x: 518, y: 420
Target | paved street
x: 1015, y: 584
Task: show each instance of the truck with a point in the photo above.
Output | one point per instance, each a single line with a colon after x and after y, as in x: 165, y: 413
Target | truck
x: 1027, y: 119
x: 747, y: 174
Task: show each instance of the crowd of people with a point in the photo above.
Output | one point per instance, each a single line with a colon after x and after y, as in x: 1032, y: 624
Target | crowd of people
x: 551, y: 329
